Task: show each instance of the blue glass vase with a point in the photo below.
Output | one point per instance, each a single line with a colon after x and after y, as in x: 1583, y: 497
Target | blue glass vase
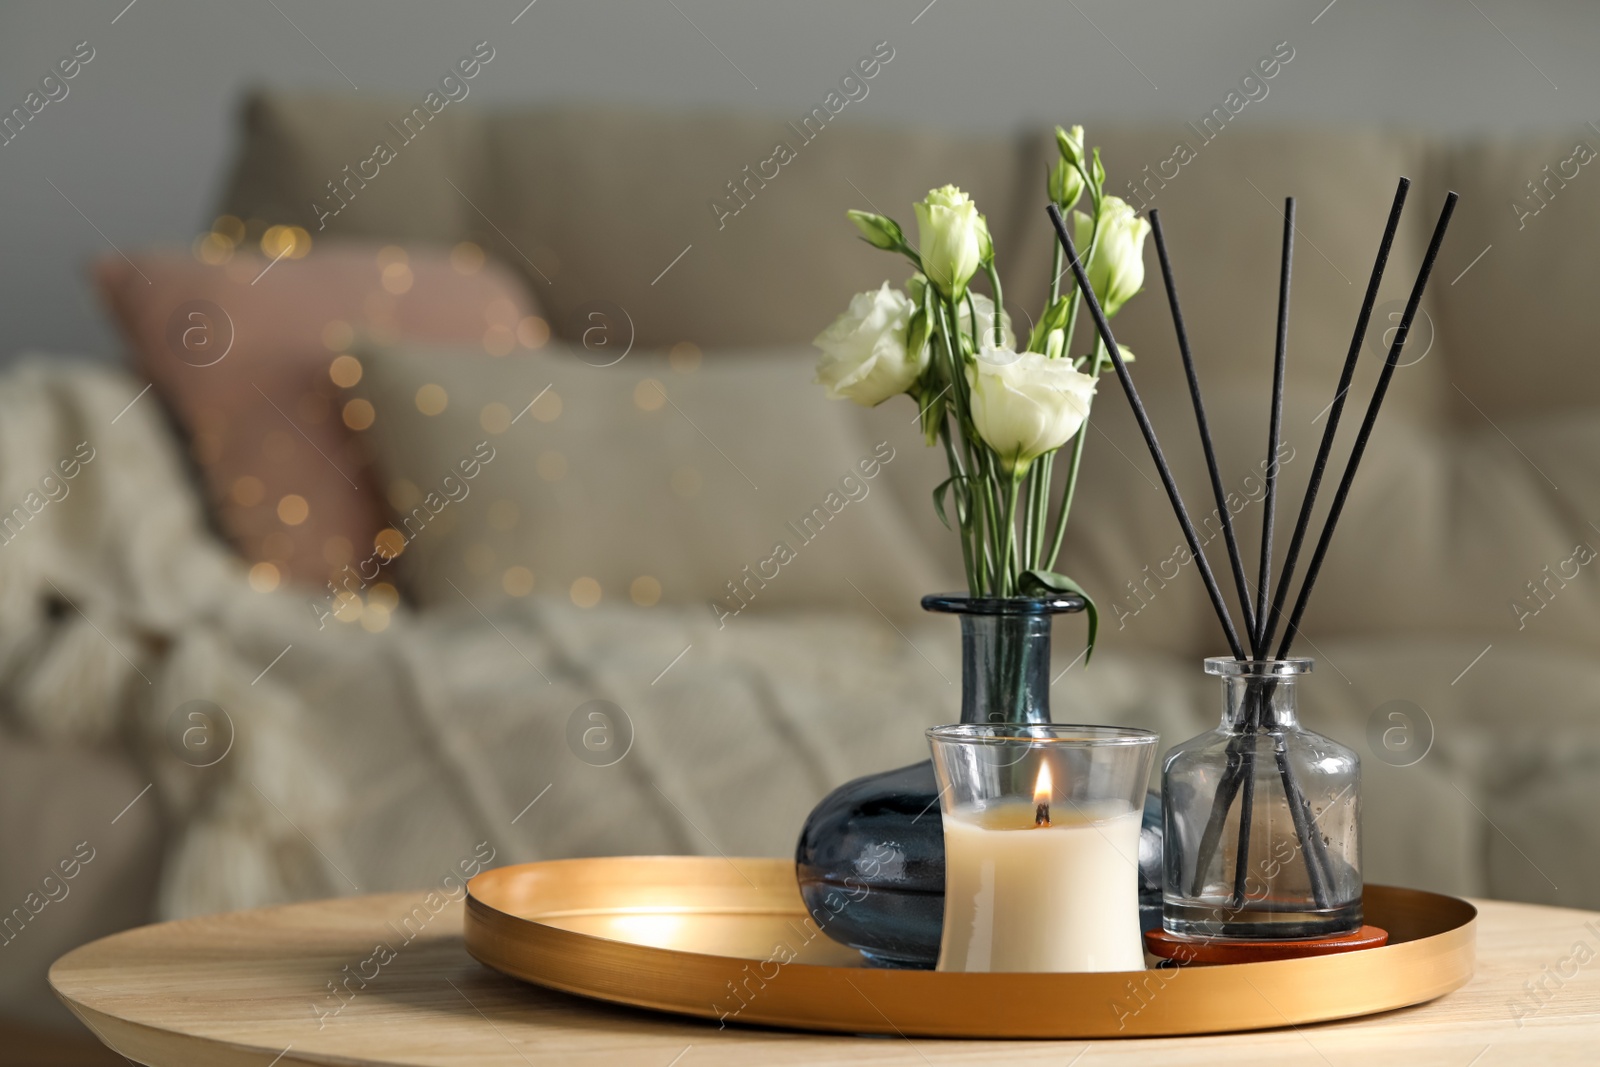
x: 870, y: 860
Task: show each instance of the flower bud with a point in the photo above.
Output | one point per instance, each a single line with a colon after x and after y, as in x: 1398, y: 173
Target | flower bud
x: 1055, y: 342
x: 878, y: 230
x: 1113, y: 251
x: 952, y: 238
x: 1070, y: 144
x: 1066, y: 184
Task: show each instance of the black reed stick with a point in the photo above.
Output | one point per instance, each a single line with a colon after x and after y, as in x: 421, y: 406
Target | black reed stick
x: 1269, y: 517
x: 1226, y: 793
x: 1269, y: 511
x: 1247, y: 804
x: 1240, y: 768
x: 1149, y: 432
x: 1234, y: 558
x: 1211, y: 836
x: 1315, y: 850
x: 1334, y: 411
x: 1365, y: 433
x: 1234, y: 769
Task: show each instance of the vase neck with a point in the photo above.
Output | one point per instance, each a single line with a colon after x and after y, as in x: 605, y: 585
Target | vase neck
x: 1253, y: 701
x: 1005, y: 668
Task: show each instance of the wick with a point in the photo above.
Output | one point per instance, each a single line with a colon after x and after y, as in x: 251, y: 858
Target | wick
x: 1041, y: 814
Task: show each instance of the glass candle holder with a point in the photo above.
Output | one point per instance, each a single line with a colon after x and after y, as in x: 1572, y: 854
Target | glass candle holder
x: 1041, y: 845
x: 1263, y: 818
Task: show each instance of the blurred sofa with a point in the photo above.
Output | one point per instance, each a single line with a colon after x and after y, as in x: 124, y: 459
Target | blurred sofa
x: 1451, y: 597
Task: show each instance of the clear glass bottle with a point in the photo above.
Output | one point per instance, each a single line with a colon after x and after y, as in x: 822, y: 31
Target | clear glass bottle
x: 1263, y: 818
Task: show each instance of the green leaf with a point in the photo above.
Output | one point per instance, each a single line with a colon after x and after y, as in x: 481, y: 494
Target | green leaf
x: 938, y: 501
x: 917, y: 333
x: 1054, y: 318
x: 1040, y: 582
x: 932, y: 412
x: 1106, y: 366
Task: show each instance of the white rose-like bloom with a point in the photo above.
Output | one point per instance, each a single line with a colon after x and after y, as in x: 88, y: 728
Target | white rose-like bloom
x: 1116, y: 265
x: 1025, y: 404
x: 864, y: 356
x: 951, y: 236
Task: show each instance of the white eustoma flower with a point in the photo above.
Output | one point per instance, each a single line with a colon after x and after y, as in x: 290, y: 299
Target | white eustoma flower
x: 1025, y: 404
x: 951, y: 237
x: 864, y: 355
x: 1115, y: 264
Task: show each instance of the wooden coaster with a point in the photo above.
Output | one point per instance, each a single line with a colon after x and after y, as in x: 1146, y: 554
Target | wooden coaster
x: 1214, y: 950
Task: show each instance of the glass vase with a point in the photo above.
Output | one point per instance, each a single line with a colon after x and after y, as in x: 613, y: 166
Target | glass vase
x: 870, y: 859
x: 1263, y: 818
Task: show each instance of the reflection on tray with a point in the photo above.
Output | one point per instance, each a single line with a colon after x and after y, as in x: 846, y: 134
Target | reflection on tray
x: 745, y: 933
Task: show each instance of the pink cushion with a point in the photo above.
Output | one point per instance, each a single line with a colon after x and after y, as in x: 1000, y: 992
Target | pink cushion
x: 262, y: 412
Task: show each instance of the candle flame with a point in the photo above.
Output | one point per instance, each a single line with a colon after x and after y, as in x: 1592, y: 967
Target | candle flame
x: 1041, y: 796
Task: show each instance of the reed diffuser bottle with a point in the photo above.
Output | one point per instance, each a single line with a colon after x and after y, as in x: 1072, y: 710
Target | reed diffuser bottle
x: 1263, y: 818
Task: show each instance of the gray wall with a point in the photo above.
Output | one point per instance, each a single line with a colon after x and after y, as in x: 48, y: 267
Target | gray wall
x: 140, y: 142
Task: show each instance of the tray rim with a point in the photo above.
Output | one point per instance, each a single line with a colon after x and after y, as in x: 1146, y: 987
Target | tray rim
x: 818, y: 997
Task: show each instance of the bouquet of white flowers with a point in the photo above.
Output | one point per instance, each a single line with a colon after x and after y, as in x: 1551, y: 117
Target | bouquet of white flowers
x: 1001, y: 414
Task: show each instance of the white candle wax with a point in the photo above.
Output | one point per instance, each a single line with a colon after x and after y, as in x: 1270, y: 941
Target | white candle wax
x: 1024, y: 897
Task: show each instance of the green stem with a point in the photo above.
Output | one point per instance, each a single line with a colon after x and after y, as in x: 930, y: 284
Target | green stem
x: 1072, y: 322
x: 961, y: 405
x: 1095, y: 197
x: 992, y: 511
x: 962, y: 495
x: 1026, y: 528
x: 1010, y: 574
x: 984, y: 465
x: 1040, y: 479
x: 1048, y: 562
x: 999, y: 304
x: 1071, y: 487
x: 1055, y: 273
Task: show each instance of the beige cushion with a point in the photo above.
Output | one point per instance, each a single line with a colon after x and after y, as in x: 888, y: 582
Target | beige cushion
x: 639, y: 470
x: 581, y: 181
x: 295, y: 146
x: 1524, y: 313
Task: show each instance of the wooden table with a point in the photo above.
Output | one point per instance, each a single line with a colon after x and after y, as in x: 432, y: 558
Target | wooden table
x: 254, y: 989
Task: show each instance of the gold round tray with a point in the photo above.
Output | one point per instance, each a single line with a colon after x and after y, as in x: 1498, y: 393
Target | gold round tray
x: 730, y: 940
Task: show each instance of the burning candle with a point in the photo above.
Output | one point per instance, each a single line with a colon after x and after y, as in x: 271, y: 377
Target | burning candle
x: 1041, y: 831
